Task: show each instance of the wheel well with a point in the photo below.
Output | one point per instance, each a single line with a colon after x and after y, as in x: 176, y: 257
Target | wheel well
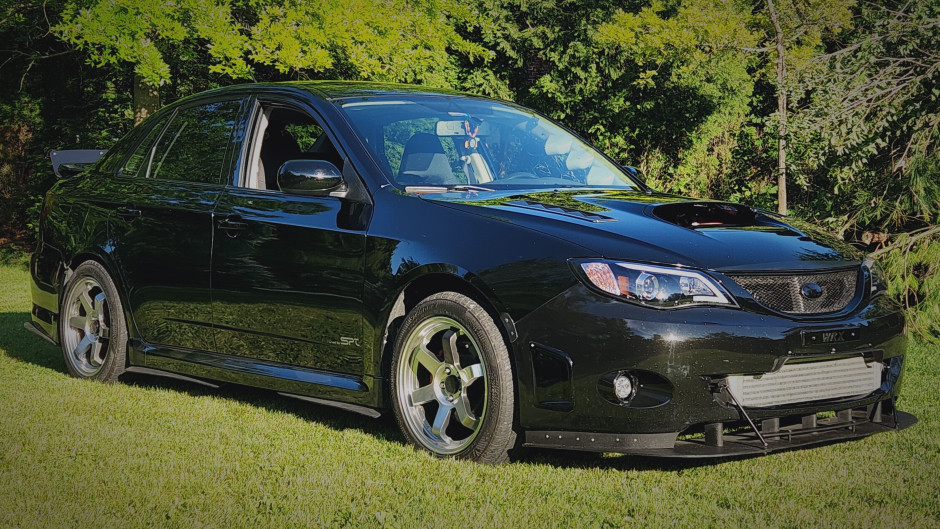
x: 82, y: 257
x: 77, y: 260
x: 413, y: 294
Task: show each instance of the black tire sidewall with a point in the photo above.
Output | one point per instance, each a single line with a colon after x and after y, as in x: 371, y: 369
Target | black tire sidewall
x: 497, y: 435
x: 116, y: 355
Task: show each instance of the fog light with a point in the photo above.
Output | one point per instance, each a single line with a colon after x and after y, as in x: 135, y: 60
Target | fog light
x: 623, y: 387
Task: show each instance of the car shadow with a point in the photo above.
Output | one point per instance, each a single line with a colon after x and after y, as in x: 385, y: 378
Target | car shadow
x: 24, y: 346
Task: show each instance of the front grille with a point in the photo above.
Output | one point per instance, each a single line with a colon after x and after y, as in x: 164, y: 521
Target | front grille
x: 807, y: 382
x: 783, y: 293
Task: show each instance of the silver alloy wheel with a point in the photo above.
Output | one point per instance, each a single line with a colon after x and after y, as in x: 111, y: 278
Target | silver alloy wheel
x: 442, y: 376
x: 87, y: 328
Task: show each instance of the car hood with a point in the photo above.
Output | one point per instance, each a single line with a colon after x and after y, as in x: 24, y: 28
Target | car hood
x: 660, y: 228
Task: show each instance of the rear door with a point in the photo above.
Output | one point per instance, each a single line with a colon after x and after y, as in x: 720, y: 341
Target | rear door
x: 288, y: 269
x: 161, y: 228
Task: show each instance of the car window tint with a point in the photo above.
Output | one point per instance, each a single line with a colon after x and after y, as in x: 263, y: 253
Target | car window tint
x: 194, y: 145
x: 445, y: 140
x: 140, y: 158
x: 397, y: 135
x: 112, y: 159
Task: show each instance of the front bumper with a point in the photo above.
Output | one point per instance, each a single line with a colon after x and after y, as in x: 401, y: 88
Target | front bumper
x: 679, y: 360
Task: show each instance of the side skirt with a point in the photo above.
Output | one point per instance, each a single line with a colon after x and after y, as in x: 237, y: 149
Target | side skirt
x: 319, y: 386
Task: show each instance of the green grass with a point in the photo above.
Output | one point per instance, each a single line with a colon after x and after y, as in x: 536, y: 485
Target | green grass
x: 151, y: 452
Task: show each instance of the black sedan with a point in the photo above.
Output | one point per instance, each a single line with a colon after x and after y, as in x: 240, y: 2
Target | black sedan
x: 469, y: 264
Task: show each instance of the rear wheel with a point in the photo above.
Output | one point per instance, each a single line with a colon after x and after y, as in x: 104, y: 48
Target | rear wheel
x: 92, y: 329
x: 452, y: 382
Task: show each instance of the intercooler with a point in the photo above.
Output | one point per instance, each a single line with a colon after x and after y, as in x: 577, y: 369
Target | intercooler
x: 807, y: 382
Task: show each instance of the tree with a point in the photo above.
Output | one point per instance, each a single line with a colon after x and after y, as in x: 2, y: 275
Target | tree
x: 147, y: 34
x: 872, y: 127
x: 701, y: 34
x: 799, y: 27
x: 397, y: 40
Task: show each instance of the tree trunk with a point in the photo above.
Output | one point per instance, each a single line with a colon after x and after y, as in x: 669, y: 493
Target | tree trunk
x: 781, y: 112
x: 146, y: 99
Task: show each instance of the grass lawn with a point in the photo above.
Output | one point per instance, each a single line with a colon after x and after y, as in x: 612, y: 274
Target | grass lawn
x: 151, y: 452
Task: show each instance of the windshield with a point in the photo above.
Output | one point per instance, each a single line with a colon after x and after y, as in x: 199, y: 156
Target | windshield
x: 448, y: 141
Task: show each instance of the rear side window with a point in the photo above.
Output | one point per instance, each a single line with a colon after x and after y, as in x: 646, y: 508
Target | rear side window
x: 139, y: 160
x: 194, y: 144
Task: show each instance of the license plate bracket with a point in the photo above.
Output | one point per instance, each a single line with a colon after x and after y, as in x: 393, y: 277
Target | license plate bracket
x: 829, y: 336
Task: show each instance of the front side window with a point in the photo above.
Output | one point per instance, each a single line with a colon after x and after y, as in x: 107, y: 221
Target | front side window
x: 439, y: 140
x: 194, y: 144
x: 283, y: 134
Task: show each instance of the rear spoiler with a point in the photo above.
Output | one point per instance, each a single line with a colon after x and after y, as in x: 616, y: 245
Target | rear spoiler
x: 69, y: 163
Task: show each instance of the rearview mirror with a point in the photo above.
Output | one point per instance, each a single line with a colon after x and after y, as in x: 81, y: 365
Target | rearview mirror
x: 459, y: 128
x: 309, y: 177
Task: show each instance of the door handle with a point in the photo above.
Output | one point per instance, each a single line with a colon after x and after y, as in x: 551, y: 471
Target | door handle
x: 232, y: 224
x: 128, y: 212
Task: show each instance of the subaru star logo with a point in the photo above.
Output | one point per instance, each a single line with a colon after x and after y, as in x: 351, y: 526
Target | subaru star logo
x: 811, y: 291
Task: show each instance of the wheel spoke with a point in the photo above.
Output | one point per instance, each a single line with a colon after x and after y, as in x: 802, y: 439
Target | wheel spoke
x: 424, y: 357
x: 441, y: 420
x: 82, y: 348
x: 103, y: 331
x: 88, y: 304
x: 423, y: 395
x: 470, y: 374
x: 451, y: 355
x: 77, y: 322
x: 100, y: 301
x: 464, y: 415
x: 96, y: 358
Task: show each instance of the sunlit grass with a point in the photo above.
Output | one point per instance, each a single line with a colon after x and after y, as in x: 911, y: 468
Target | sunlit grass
x: 151, y: 452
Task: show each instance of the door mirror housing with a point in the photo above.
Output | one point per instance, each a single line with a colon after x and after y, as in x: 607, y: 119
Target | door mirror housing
x: 310, y: 177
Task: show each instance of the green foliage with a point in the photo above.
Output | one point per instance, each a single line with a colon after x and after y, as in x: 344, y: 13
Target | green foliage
x: 143, y: 33
x: 397, y: 40
x: 914, y: 271
x: 869, y: 135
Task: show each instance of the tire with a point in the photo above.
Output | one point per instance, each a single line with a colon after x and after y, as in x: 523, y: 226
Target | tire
x: 92, y: 328
x: 452, y: 382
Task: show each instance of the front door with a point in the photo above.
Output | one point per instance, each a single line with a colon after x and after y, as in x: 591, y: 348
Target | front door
x: 288, y: 269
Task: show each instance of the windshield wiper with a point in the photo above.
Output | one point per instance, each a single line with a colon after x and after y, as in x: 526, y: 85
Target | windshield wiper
x: 444, y: 189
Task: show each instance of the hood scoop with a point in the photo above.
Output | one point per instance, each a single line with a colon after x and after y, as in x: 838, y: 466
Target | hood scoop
x: 695, y: 215
x: 561, y: 210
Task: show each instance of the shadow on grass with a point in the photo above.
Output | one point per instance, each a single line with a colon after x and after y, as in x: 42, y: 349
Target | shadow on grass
x: 24, y: 346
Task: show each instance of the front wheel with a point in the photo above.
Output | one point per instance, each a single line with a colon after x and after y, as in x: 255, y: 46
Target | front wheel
x: 91, y: 325
x: 452, y: 382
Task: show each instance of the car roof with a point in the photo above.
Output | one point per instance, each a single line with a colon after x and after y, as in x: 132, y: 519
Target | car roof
x: 330, y: 90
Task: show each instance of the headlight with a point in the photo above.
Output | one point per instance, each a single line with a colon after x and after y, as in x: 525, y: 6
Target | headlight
x: 653, y: 286
x: 876, y: 276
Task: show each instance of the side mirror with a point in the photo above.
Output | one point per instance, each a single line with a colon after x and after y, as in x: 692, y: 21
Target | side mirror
x: 309, y: 177
x: 634, y: 173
